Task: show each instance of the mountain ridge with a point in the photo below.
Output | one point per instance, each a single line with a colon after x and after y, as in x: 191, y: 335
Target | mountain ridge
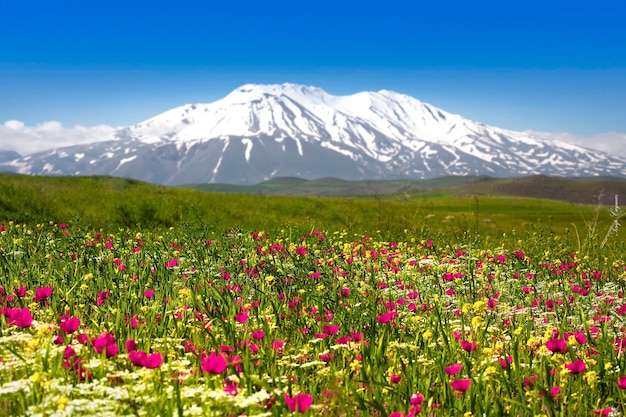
x: 258, y: 132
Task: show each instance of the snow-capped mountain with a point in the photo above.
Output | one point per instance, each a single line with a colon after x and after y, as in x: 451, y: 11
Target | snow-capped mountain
x: 258, y: 132
x: 8, y: 155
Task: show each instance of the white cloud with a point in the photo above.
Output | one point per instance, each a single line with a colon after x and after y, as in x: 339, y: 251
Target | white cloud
x: 16, y: 136
x: 613, y: 143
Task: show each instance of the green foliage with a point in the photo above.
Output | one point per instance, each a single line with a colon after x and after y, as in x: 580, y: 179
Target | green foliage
x: 110, y: 203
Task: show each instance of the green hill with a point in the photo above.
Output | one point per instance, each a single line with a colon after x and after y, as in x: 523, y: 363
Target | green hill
x: 458, y: 205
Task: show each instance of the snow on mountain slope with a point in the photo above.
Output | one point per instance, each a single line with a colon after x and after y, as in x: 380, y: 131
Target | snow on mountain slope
x: 261, y: 131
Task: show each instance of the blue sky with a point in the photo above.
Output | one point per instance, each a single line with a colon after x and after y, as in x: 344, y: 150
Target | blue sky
x: 553, y: 66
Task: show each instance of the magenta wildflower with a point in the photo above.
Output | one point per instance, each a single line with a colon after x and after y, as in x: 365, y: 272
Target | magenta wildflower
x: 299, y: 403
x: 214, y: 364
x: 557, y: 345
x: 153, y: 360
x: 460, y: 385
x: 137, y: 358
x: 70, y: 325
x: 576, y: 367
x: 416, y: 398
x: 344, y: 340
x: 230, y: 387
x: 603, y: 411
x: 331, y: 329
x: 621, y: 382
x: 258, y: 334
x: 131, y: 345
x: 148, y: 294
x: 241, y: 317
x: 102, y: 297
x: 386, y: 317
x: 171, y: 263
x: 278, y: 346
x: 504, y: 362
x: 42, y: 294
x: 105, y: 343
x: 19, y: 317
x: 453, y: 369
x: 468, y: 346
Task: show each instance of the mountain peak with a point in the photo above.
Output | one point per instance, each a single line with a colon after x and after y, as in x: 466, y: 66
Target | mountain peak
x: 248, y: 91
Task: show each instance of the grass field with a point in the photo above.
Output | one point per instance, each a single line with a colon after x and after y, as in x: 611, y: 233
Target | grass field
x: 124, y: 298
x: 459, y: 209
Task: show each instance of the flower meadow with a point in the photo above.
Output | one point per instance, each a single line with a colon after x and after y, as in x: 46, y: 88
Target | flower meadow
x: 189, y: 322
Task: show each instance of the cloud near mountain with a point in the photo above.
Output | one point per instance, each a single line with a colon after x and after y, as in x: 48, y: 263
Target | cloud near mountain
x: 17, y: 136
x: 613, y: 143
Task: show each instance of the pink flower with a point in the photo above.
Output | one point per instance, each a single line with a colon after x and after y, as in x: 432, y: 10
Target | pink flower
x: 554, y: 391
x: 576, y: 367
x: 111, y: 350
x: 530, y: 381
x: 386, y: 317
x: 416, y: 398
x: 460, y: 385
x: 137, y: 358
x: 70, y: 325
x: 278, y: 346
x: 621, y: 382
x: 241, y: 317
x: 102, y: 297
x: 331, y: 329
x: 153, y: 361
x: 506, y: 361
x: 299, y: 403
x: 468, y: 346
x: 395, y: 379
x: 69, y: 352
x: 453, y: 369
x: 258, y: 334
x: 20, y: 317
x: 344, y: 340
x: 131, y: 345
x: 357, y: 337
x: 42, y: 294
x: 214, y: 364
x: 106, y: 343
x: 557, y: 345
x: 230, y: 387
x: 148, y: 294
x: 603, y: 411
x: 171, y: 264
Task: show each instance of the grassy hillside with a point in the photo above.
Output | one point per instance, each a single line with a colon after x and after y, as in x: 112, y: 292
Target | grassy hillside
x: 577, y: 190
x: 290, y: 186
x: 104, y: 202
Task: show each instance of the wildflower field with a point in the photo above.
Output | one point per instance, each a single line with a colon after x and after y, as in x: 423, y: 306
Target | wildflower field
x: 187, y: 321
